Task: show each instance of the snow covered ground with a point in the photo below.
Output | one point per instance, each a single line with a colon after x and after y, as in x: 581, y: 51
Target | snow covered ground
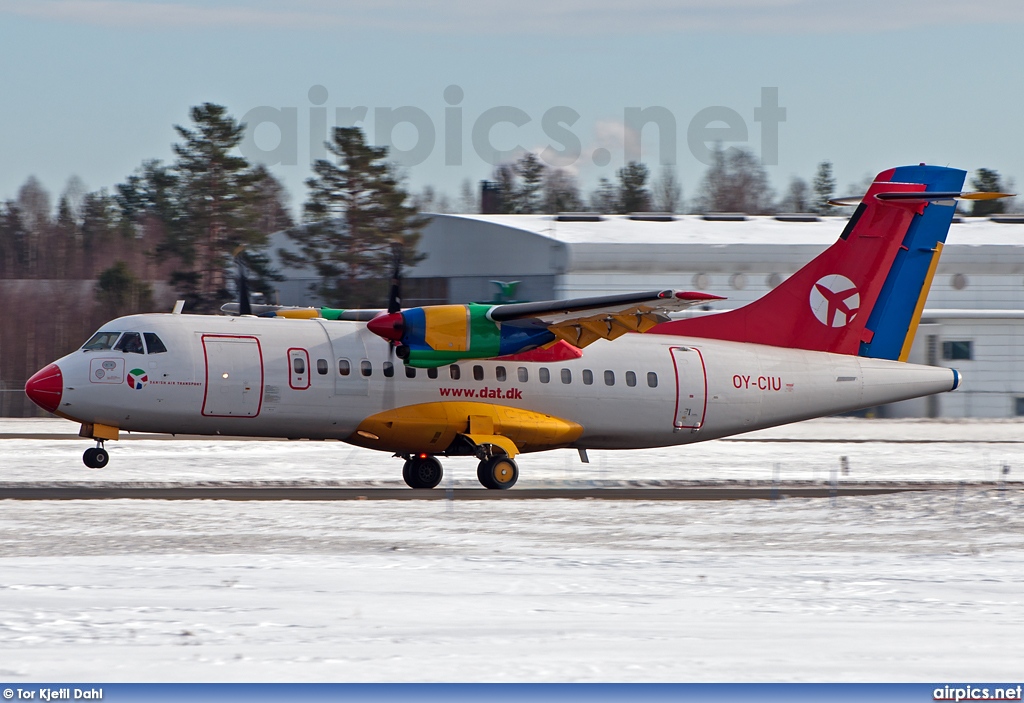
x: 914, y: 587
x: 876, y: 450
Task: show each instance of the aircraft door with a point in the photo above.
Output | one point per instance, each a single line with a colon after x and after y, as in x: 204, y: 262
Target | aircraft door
x: 691, y: 388
x: 298, y: 369
x: 234, y: 376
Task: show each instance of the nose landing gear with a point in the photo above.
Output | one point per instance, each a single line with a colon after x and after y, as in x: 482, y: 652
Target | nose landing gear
x: 96, y: 457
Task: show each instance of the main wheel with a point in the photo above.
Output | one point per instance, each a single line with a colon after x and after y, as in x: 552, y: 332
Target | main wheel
x: 498, y: 473
x: 95, y: 458
x: 422, y: 472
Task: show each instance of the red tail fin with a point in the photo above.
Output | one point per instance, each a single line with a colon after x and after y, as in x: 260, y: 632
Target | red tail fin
x: 825, y: 305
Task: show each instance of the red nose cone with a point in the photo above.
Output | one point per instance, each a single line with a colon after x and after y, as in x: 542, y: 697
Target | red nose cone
x: 389, y: 326
x: 46, y: 387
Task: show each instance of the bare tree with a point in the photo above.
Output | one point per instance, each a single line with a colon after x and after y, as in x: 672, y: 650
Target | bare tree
x: 735, y: 182
x: 468, y: 202
x: 798, y: 196
x: 668, y: 191
x: 561, y: 192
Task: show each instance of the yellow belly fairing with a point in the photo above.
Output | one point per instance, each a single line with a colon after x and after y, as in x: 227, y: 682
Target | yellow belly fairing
x: 432, y: 427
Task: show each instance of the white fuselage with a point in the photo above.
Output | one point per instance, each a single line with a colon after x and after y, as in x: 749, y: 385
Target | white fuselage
x: 277, y: 377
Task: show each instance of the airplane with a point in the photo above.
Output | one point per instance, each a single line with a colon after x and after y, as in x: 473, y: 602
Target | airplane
x: 496, y: 381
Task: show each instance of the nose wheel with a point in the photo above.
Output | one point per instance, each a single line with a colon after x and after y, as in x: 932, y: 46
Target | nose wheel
x: 497, y: 473
x: 422, y: 472
x: 96, y: 458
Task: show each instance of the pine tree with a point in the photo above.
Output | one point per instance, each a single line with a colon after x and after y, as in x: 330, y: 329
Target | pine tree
x: 824, y: 188
x: 605, y: 198
x: 119, y: 292
x: 355, y: 213
x: 987, y: 181
x: 633, y: 193
x: 531, y: 170
x: 215, y: 192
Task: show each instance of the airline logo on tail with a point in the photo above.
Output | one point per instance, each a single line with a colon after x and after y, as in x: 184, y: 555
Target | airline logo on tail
x: 835, y: 300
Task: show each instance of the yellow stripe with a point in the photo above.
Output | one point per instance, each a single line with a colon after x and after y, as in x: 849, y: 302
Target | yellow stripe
x: 916, y: 319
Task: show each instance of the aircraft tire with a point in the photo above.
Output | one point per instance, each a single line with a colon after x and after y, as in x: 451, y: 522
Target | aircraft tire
x: 498, y: 473
x: 95, y: 458
x: 424, y: 473
x: 407, y: 473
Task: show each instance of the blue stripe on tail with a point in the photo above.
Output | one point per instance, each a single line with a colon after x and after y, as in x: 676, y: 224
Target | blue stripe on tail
x: 892, y: 318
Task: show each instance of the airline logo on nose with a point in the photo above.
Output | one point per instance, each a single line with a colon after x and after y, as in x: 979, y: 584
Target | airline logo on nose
x: 137, y: 379
x: 835, y: 300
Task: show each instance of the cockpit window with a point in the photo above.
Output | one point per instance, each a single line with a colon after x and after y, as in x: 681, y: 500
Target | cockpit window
x: 153, y: 343
x: 101, y: 341
x: 130, y: 343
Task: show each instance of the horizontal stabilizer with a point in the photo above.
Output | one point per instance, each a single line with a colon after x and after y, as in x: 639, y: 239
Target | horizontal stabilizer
x: 923, y: 196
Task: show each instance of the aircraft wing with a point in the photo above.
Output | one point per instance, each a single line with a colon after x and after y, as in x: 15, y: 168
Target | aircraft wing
x: 582, y: 321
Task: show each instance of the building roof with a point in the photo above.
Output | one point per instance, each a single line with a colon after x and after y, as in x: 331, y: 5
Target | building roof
x: 693, y: 229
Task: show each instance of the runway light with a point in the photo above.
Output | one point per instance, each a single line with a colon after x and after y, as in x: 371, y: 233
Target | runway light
x: 223, y: 375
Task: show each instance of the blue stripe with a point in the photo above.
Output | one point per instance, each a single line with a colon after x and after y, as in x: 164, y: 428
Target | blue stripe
x: 893, y: 313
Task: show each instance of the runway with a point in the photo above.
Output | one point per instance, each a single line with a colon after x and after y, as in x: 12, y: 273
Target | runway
x: 831, y: 550
x: 611, y: 491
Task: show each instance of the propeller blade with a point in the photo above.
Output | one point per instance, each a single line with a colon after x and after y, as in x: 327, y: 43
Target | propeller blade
x: 244, y: 308
x: 395, y: 293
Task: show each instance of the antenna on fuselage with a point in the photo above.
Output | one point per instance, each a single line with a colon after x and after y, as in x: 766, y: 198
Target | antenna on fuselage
x: 179, y: 305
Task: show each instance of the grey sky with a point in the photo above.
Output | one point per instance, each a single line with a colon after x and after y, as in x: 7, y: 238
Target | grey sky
x: 93, y: 87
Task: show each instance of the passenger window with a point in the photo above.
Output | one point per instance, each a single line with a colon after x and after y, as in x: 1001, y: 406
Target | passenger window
x: 131, y: 343
x: 432, y: 373
x: 545, y: 375
x: 630, y: 379
x: 101, y: 341
x: 153, y: 343
x: 321, y: 367
x: 652, y: 379
x: 410, y: 372
x: 588, y: 377
x: 478, y: 373
x: 524, y: 375
x: 499, y: 373
x: 455, y: 371
x: 298, y: 365
x: 566, y: 376
x: 365, y: 367
x: 344, y: 367
x: 389, y: 369
x: 609, y: 378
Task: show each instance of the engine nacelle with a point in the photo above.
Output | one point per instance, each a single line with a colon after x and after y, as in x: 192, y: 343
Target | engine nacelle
x: 438, y: 335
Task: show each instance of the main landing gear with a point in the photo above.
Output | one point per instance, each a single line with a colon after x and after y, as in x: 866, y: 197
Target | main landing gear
x: 422, y: 471
x: 96, y: 457
x: 495, y: 473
